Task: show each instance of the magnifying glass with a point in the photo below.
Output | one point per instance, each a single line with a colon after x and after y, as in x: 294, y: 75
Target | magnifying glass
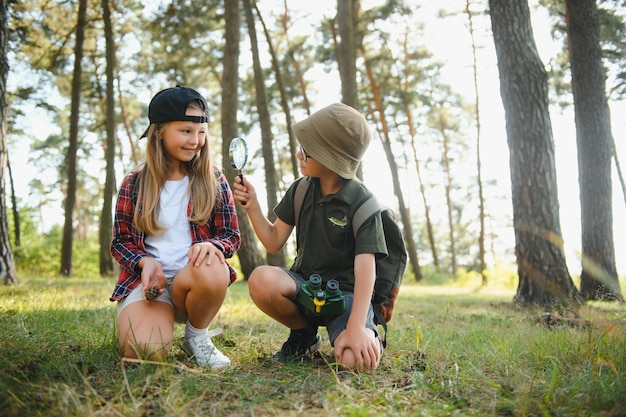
x: 238, y: 153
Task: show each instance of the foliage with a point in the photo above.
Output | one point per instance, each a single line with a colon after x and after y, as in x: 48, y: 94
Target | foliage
x: 40, y: 252
x: 453, y: 351
x: 612, y: 18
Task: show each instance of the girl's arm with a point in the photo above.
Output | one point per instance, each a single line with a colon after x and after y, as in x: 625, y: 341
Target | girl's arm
x: 124, y: 244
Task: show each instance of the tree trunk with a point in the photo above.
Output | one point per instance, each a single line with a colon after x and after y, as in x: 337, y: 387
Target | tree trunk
x: 106, y: 222
x: 406, y: 107
x: 16, y: 214
x: 293, y: 143
x: 405, y: 216
x: 271, y: 178
x: 248, y: 253
x: 479, y: 181
x: 543, y: 275
x: 70, y: 160
x: 347, y: 15
x: 445, y: 162
x: 347, y: 19
x: 7, y: 264
x: 595, y: 147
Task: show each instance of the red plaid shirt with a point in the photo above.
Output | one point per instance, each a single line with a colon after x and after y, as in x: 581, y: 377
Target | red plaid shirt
x: 127, y: 246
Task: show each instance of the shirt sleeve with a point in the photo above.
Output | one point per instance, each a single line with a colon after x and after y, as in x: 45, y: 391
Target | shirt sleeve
x: 124, y: 245
x: 371, y: 238
x: 284, y: 210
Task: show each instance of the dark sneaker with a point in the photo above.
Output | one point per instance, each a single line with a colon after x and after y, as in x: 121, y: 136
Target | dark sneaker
x: 300, y: 343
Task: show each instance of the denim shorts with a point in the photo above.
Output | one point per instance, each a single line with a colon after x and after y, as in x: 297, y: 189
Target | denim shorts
x: 334, y: 324
x: 137, y: 295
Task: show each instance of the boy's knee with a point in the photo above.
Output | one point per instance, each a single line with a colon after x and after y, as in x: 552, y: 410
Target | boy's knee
x: 260, y: 278
x: 256, y: 282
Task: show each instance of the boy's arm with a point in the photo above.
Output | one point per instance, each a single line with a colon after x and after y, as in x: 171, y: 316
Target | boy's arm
x: 272, y: 235
x: 357, y: 338
x: 364, y: 279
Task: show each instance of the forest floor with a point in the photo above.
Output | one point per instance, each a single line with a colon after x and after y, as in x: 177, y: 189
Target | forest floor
x: 452, y: 350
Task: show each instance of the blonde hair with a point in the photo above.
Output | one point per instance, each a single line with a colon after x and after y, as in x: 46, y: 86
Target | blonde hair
x: 203, y: 183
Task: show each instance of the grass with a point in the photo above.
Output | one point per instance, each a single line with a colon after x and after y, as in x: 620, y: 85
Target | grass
x: 453, y: 351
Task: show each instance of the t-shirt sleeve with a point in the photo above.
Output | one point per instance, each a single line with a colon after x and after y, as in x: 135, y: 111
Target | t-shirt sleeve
x: 284, y: 210
x: 371, y: 238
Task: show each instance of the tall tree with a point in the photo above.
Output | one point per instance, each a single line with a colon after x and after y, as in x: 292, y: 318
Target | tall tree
x: 70, y: 159
x: 248, y: 254
x: 479, y: 180
x: 347, y: 18
x: 598, y: 279
x: 284, y: 99
x: 404, y: 211
x: 106, y: 260
x: 271, y: 177
x: 7, y: 264
x: 543, y: 275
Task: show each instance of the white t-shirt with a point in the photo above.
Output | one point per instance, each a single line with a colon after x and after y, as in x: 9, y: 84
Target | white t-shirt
x: 170, y: 247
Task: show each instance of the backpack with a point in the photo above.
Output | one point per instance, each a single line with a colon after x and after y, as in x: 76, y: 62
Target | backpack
x: 389, y: 270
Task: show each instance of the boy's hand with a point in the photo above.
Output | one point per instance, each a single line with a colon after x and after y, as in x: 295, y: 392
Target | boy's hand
x: 358, y: 348
x: 244, y: 192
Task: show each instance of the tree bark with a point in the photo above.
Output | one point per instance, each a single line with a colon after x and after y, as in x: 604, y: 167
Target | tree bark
x: 7, y: 263
x: 106, y: 216
x: 595, y: 148
x: 271, y: 177
x: 543, y: 275
x: 70, y: 160
x: 293, y: 143
x: 346, y: 58
x: 248, y: 254
x: 479, y: 180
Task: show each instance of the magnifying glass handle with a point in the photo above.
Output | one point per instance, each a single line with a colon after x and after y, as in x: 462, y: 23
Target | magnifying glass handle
x: 243, y: 203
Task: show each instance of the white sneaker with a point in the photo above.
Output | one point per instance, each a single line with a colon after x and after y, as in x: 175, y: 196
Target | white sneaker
x: 206, y: 354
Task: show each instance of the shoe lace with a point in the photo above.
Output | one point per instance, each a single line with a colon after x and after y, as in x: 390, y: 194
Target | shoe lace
x: 206, y: 345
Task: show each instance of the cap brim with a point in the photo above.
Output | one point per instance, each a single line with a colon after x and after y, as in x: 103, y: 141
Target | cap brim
x: 145, y: 134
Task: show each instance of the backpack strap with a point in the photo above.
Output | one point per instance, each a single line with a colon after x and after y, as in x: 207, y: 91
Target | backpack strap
x: 369, y: 207
x: 298, y: 198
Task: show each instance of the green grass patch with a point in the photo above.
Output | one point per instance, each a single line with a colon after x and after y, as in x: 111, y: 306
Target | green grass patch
x: 453, y: 350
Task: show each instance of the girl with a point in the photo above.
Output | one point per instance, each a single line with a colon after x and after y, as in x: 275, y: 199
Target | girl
x: 175, y: 225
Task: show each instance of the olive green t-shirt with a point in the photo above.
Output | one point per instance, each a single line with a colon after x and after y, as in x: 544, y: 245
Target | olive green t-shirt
x: 325, y: 242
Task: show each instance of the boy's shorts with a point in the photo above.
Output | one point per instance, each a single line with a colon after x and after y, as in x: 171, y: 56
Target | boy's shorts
x: 334, y: 324
x: 137, y: 295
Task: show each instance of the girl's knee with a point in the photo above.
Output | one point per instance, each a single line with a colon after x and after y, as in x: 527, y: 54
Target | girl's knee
x: 215, y: 277
x: 144, y: 351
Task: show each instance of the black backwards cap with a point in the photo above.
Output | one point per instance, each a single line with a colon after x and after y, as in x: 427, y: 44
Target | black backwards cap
x: 170, y: 105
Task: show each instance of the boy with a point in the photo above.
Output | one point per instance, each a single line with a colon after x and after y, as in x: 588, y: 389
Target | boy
x: 332, y: 142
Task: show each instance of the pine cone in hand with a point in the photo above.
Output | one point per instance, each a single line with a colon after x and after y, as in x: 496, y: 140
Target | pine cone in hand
x: 152, y: 293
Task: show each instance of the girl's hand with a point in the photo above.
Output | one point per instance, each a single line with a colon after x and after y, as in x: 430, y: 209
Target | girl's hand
x: 152, y: 276
x: 199, y: 251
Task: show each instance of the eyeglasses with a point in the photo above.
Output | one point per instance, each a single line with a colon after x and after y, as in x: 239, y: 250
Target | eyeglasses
x: 305, y: 156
